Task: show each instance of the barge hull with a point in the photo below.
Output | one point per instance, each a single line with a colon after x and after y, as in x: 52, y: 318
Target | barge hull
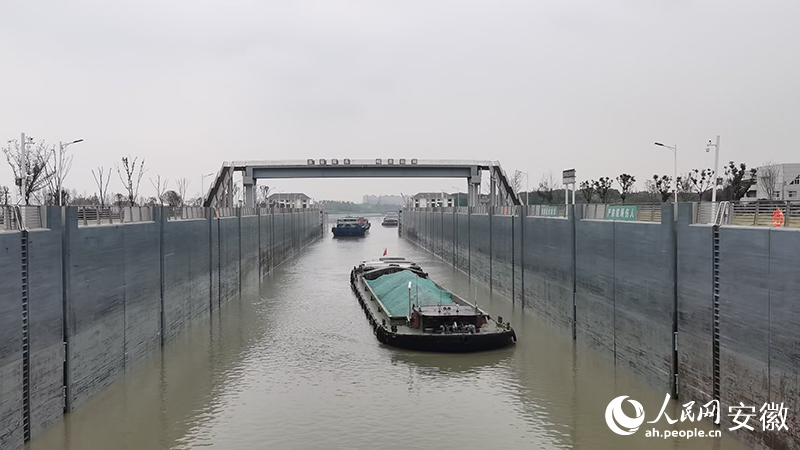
x: 429, y: 342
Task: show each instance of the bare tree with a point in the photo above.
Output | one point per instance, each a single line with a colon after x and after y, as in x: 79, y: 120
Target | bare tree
x: 602, y: 186
x: 587, y: 190
x: 132, y: 178
x: 59, y: 167
x: 183, y: 186
x: 626, y: 184
x: 547, y: 186
x: 767, y: 177
x: 172, y: 198
x: 516, y: 181
x: 101, y: 179
x: 661, y: 186
x: 35, y: 172
x: 160, y: 187
x: 119, y: 200
x: 263, y: 195
x: 739, y: 180
x: 5, y: 195
x: 701, y: 181
x: 235, y: 193
x: 684, y: 184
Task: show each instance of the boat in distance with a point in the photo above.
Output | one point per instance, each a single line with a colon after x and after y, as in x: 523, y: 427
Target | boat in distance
x: 409, y: 310
x: 391, y: 220
x: 351, y: 227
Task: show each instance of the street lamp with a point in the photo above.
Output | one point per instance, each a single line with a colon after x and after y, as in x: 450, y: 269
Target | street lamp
x: 716, y: 177
x: 280, y: 205
x: 675, y: 176
x: 60, y: 167
x: 202, y: 186
x: 457, y: 198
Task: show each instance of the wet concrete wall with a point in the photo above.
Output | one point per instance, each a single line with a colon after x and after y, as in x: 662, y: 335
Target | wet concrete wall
x: 462, y: 242
x: 46, y: 328
x: 188, y: 261
x: 636, y: 282
x: 10, y: 341
x: 114, y: 293
x: 547, y: 260
x: 250, y: 250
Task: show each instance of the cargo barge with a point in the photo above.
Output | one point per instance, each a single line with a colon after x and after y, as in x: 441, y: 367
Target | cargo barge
x: 408, y: 310
x: 351, y: 227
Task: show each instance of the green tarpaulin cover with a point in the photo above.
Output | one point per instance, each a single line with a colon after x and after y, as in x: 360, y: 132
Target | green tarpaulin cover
x: 392, y: 291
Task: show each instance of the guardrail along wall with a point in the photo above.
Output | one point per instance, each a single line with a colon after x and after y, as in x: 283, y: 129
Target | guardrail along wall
x: 623, y: 287
x: 82, y: 301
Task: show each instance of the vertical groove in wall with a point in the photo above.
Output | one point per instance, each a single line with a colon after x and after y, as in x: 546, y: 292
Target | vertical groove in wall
x: 209, y: 222
x: 491, y: 247
x: 66, y: 228
x: 614, y: 287
x: 523, y: 214
x: 219, y: 262
x: 26, y: 351
x: 513, y: 261
x: 125, y: 295
x: 239, y: 224
x: 162, y: 271
x: 716, y: 316
x: 574, y: 226
x: 673, y: 251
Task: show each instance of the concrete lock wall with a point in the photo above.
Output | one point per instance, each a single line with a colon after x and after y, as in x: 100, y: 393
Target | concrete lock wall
x: 623, y: 289
x: 104, y: 297
x: 10, y: 340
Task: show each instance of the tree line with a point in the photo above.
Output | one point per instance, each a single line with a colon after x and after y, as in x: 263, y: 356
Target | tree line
x: 696, y: 185
x: 46, y: 167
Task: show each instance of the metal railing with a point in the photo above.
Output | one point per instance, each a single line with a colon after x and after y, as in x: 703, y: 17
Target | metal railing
x: 645, y: 212
x: 765, y: 214
x: 107, y: 215
x: 594, y: 211
x: 722, y: 215
x: 547, y: 211
x: 10, y: 218
x: 186, y: 213
x: 22, y: 217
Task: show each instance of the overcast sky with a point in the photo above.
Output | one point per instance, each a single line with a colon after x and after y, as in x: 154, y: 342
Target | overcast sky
x: 538, y: 85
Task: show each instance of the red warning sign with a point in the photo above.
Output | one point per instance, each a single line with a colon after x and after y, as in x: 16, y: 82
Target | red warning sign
x: 777, y: 218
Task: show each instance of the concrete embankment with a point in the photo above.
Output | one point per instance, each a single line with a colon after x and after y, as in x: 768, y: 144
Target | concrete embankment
x: 80, y: 305
x: 637, y: 291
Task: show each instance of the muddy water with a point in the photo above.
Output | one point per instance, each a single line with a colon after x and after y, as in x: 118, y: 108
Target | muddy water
x: 294, y: 364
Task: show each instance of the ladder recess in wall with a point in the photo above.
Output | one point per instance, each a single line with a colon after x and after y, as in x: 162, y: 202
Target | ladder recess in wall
x: 26, y: 357
x: 715, y: 336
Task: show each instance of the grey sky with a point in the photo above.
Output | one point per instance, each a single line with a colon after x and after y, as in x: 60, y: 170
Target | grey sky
x: 543, y: 85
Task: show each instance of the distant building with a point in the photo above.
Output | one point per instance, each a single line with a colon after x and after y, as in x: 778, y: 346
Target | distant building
x: 290, y: 200
x: 786, y: 184
x: 432, y: 200
x: 394, y: 200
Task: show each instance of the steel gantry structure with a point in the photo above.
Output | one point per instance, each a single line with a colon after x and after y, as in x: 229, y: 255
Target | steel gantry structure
x: 220, y: 193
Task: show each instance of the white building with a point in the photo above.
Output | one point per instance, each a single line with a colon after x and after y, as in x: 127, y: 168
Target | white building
x: 432, y: 200
x: 786, y: 184
x: 290, y: 200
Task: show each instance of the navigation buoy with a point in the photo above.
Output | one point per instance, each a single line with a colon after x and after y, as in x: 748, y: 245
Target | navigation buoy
x: 777, y: 218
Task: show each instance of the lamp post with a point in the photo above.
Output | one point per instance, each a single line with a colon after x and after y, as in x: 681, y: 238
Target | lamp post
x: 716, y: 177
x: 59, y: 161
x: 202, y: 185
x: 675, y: 176
x: 23, y: 156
